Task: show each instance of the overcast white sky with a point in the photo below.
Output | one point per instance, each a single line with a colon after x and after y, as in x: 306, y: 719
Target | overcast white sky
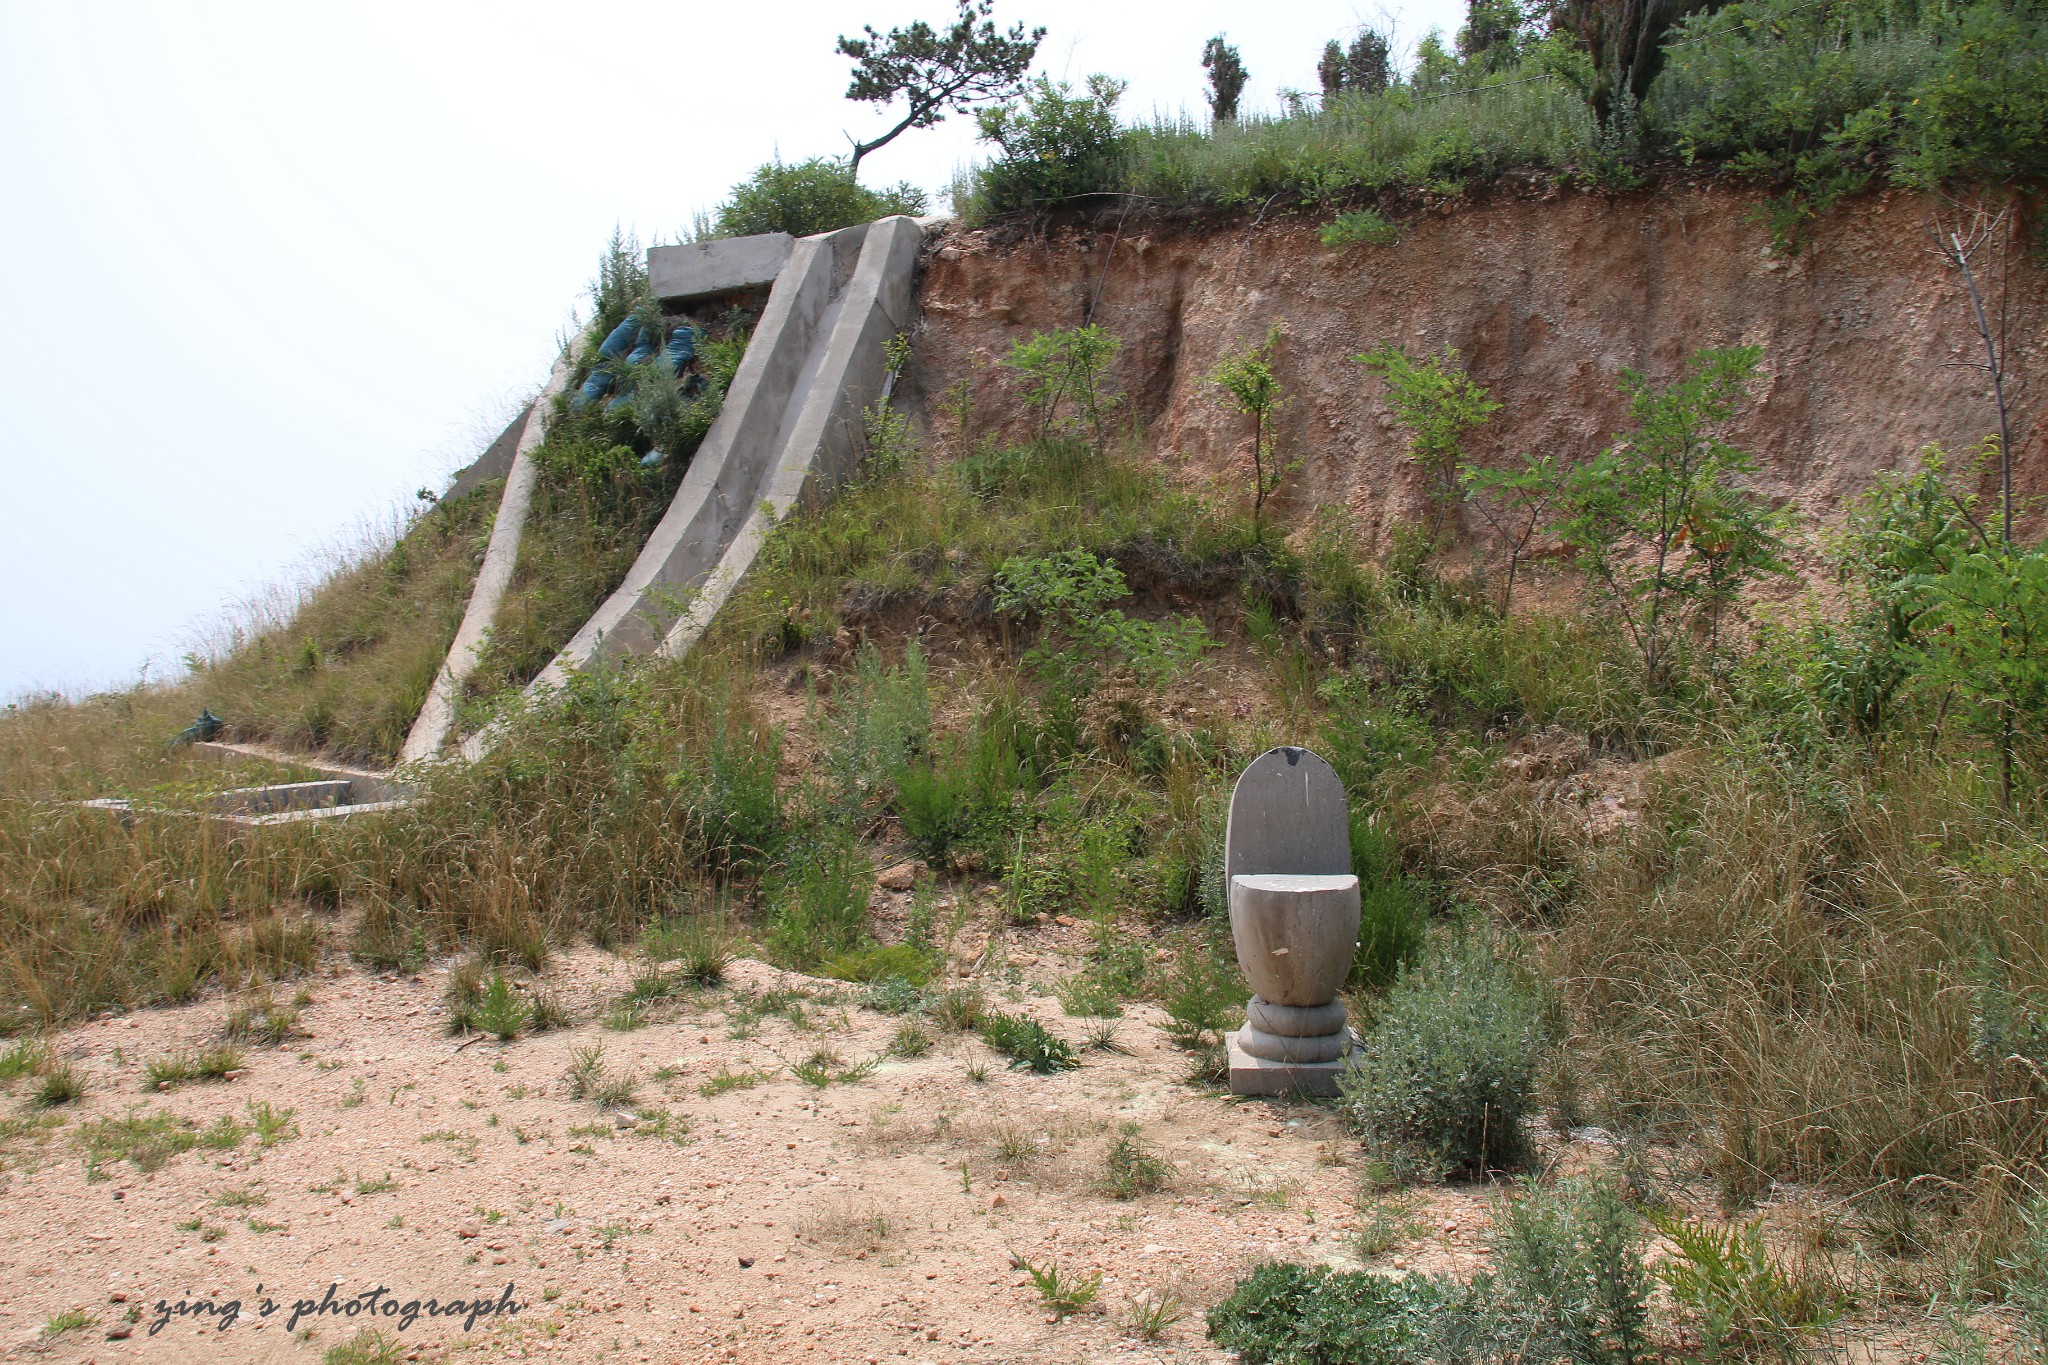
x: 267, y: 268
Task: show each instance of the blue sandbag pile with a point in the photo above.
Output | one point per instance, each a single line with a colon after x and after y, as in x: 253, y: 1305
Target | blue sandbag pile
x: 633, y: 343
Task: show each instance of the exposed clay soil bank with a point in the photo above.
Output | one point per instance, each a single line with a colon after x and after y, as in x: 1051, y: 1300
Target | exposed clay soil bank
x: 1549, y: 295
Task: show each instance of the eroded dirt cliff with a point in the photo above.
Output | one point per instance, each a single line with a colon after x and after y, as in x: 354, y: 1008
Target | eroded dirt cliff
x: 1548, y: 294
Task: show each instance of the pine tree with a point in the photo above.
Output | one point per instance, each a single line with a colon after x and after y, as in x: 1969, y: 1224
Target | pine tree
x: 1366, y: 67
x: 1227, y: 77
x: 1330, y: 70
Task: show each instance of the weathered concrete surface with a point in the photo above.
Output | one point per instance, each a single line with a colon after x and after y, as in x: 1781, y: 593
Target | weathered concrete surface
x: 822, y: 447
x: 1251, y: 1075
x: 365, y: 784
x: 1295, y: 1021
x: 495, y: 462
x: 702, y: 270
x: 277, y: 804
x: 437, y: 715
x: 1295, y: 935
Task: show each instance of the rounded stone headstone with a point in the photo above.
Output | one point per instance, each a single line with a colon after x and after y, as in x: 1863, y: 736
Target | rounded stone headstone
x: 1294, y: 917
x: 1287, y: 815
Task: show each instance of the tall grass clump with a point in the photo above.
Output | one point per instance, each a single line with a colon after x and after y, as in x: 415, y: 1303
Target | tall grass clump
x: 1358, y: 147
x: 1834, y: 971
x: 819, y: 902
x: 593, y: 816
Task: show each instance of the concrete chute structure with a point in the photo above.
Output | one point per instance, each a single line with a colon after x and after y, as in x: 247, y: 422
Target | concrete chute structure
x: 790, y: 431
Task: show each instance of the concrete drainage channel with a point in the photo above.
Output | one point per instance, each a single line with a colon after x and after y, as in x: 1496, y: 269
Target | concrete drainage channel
x: 789, y: 434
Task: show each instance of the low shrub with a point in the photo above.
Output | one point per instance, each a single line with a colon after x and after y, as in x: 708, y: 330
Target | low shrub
x: 933, y: 805
x: 501, y: 1010
x: 1203, y: 998
x: 807, y: 197
x: 1572, y: 1282
x: 1363, y: 227
x: 910, y: 1040
x: 1571, y: 1286
x: 734, y: 804
x: 957, y: 1008
x: 895, y: 962
x: 1446, y: 1078
x: 1063, y: 1291
x: 1130, y: 1168
x: 821, y: 903
x: 1742, y: 1301
x: 700, y: 948
x: 1312, y: 1315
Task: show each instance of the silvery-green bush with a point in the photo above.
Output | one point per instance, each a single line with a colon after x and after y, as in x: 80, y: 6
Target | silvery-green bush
x: 1447, y: 1075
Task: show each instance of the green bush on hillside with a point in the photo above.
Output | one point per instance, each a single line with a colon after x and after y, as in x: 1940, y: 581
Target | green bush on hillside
x: 1054, y: 145
x: 1571, y: 1286
x: 1827, y: 99
x: 808, y: 197
x: 1283, y: 1314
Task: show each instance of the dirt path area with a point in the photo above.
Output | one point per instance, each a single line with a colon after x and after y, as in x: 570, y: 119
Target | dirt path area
x: 729, y: 1211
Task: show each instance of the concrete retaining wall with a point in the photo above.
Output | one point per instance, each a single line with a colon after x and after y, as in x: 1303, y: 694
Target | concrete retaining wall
x: 495, y: 462
x: 704, y: 270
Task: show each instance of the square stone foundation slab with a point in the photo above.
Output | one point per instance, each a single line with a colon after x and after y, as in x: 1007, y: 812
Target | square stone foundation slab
x: 1251, y: 1075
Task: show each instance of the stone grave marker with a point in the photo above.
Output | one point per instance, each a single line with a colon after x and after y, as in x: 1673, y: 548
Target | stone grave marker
x: 1294, y: 918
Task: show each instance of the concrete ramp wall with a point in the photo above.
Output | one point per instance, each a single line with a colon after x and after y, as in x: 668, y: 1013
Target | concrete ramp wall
x: 824, y: 428
x: 501, y: 556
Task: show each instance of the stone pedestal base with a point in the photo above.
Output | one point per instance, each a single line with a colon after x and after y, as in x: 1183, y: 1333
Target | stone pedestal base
x: 1251, y: 1075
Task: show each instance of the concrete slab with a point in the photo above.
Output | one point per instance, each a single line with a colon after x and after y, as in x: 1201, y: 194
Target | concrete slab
x: 822, y: 444
x: 365, y: 784
x: 493, y: 577
x: 703, y: 270
x: 258, y: 807
x: 280, y: 796
x: 1251, y: 1075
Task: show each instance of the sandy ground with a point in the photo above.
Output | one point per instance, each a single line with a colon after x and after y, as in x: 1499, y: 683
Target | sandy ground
x: 876, y: 1219
x: 873, y: 1219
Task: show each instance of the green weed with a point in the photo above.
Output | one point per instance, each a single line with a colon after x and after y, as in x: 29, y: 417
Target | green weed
x: 1063, y: 1291
x: 1027, y: 1043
